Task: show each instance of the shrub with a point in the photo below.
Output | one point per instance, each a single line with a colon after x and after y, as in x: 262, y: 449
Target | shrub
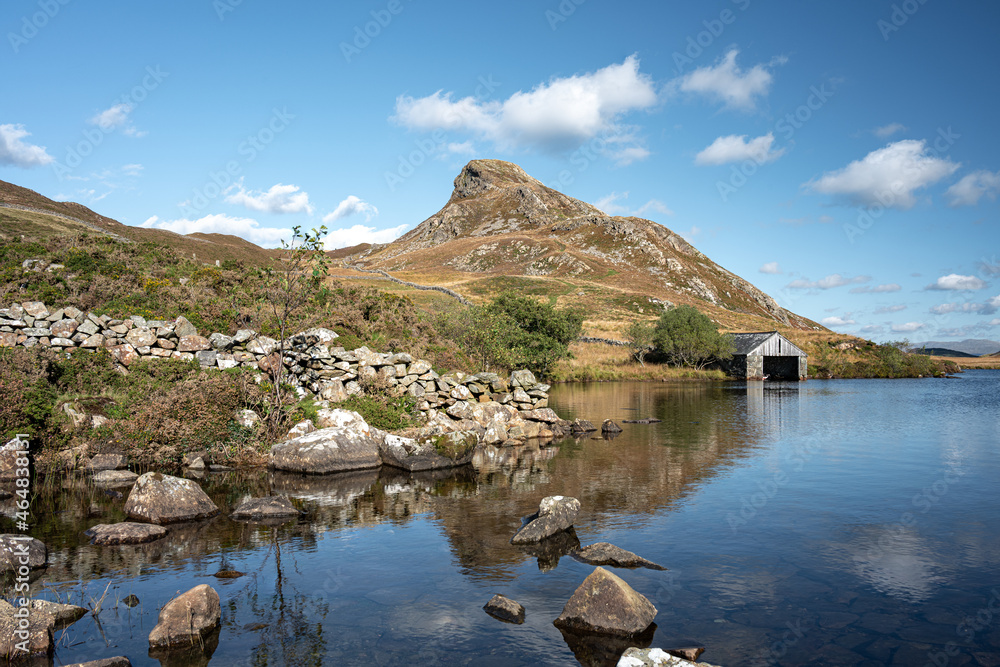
x: 687, y: 337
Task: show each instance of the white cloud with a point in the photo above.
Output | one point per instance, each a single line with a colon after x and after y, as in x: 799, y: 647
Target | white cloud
x: 736, y: 148
x: 626, y: 156
x: 969, y: 190
x: 889, y: 130
x: 279, y: 198
x: 132, y: 169
x: 349, y: 236
x: 351, y: 206
x: 611, y: 206
x: 829, y: 282
x: 246, y: 228
x: 561, y: 114
x: 770, y: 268
x: 889, y: 309
x: 691, y: 233
x: 872, y: 329
x: 464, y: 148
x: 956, y: 282
x: 727, y: 83
x: 15, y: 152
x: 836, y: 322
x: 909, y: 327
x: 878, y: 289
x: 995, y: 322
x: 887, y: 176
x: 114, y: 117
x: 991, y: 306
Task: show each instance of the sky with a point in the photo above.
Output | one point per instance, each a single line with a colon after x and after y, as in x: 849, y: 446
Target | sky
x: 842, y: 156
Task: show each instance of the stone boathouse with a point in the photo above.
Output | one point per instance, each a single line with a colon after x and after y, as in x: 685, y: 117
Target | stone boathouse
x: 769, y: 355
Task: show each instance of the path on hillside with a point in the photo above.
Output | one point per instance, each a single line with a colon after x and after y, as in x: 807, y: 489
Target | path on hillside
x: 89, y: 225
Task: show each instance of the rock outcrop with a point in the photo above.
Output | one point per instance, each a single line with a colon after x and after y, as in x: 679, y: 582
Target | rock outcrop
x: 158, y: 498
x: 36, y: 637
x: 346, y: 442
x: 604, y: 603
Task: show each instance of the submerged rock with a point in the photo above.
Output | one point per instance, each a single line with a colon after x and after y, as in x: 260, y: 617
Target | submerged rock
x: 555, y: 513
x: 604, y: 603
x: 16, y: 548
x: 647, y: 420
x: 605, y: 553
x: 345, y: 442
x: 505, y: 609
x: 269, y: 507
x: 118, y: 661
x: 187, y: 618
x: 159, y: 498
x: 126, y: 532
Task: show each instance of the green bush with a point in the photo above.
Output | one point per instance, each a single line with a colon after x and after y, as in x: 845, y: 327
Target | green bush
x: 687, y: 337
x: 389, y: 413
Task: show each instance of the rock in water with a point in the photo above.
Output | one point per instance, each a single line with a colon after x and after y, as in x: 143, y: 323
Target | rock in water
x: 119, y: 661
x: 159, y: 498
x: 555, y: 513
x: 505, y: 609
x: 582, y: 426
x: 654, y: 657
x: 14, y: 547
x: 64, y: 614
x: 606, y: 604
x: 610, y: 427
x: 126, y: 532
x: 346, y: 442
x: 270, y: 507
x: 187, y: 618
x: 448, y: 450
x: 39, y: 639
x: 604, y: 553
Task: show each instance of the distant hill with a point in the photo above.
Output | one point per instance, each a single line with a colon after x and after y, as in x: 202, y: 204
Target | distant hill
x: 23, y: 210
x: 974, y: 347
x: 942, y: 352
x: 502, y: 229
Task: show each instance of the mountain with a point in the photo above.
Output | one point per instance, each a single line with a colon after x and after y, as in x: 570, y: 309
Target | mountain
x: 942, y: 352
x: 501, y: 228
x: 22, y: 210
x: 974, y: 346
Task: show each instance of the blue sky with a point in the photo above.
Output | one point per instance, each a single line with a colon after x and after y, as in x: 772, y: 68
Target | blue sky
x: 840, y: 155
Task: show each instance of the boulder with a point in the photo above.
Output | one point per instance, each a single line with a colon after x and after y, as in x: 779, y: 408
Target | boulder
x: 108, y: 462
x: 64, y: 328
x: 16, y: 549
x: 220, y: 342
x: 262, y: 345
x: 505, y: 609
x: 604, y: 553
x: 126, y: 532
x: 125, y: 354
x: 546, y: 415
x: 37, y: 637
x: 270, y: 507
x: 604, y: 603
x: 302, y: 428
x: 159, y: 498
x: 555, y: 513
x: 344, y: 442
x: 654, y: 657
x: 247, y: 418
x: 333, y: 391
x: 140, y: 337
x: 64, y: 614
x: 436, y: 452
x: 523, y: 378
x: 187, y: 618
x: 610, y: 427
x: 582, y: 426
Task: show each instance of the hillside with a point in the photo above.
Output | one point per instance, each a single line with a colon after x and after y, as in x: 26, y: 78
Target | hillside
x: 974, y: 347
x: 501, y: 229
x: 24, y: 211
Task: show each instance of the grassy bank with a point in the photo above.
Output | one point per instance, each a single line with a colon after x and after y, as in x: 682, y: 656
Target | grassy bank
x: 596, y: 362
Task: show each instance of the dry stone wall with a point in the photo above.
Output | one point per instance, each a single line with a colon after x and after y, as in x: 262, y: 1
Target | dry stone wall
x: 312, y: 360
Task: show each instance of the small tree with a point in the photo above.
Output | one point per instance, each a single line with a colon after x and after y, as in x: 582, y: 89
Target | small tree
x: 640, y: 338
x: 287, y: 288
x: 689, y: 338
x: 492, y: 338
x: 543, y: 333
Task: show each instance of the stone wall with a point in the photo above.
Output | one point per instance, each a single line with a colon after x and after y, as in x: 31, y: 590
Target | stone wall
x: 311, y: 359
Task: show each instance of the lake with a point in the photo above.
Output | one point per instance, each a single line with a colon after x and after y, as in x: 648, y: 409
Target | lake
x: 843, y: 522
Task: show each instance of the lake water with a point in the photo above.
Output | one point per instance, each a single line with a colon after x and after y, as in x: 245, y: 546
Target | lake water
x: 841, y: 522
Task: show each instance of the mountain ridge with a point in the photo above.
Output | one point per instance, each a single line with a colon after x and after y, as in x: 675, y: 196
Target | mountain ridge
x: 500, y: 221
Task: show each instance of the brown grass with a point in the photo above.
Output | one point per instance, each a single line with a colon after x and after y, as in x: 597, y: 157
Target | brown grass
x: 595, y: 362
